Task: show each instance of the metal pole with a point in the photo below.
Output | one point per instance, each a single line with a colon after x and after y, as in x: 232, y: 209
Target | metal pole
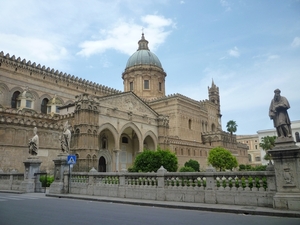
x: 69, y: 179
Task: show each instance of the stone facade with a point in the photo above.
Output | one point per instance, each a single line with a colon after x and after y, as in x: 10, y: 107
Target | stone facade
x: 252, y: 142
x: 109, y: 127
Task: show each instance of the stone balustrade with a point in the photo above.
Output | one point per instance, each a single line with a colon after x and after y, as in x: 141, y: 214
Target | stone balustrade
x: 238, y: 188
x: 11, y: 181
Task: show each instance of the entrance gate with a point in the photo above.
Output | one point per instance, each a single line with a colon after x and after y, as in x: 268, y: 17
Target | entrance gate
x: 102, y: 164
x: 40, y: 186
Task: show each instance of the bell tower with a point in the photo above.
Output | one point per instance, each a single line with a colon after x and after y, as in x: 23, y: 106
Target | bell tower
x: 214, y: 96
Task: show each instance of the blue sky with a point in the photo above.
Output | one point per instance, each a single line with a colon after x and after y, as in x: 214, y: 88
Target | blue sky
x: 249, y: 48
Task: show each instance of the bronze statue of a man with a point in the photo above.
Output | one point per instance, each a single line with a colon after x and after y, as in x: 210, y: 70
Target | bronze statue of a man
x: 278, y: 113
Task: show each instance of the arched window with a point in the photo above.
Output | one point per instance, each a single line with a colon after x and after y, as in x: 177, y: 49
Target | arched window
x: 131, y: 86
x: 190, y: 124
x: 104, y: 143
x: 297, y: 137
x: 125, y: 140
x: 14, y: 99
x: 44, y: 106
x: 250, y: 158
x: 146, y: 85
x: 213, y: 127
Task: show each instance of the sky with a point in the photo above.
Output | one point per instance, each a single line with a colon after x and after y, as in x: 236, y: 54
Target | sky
x: 248, y: 48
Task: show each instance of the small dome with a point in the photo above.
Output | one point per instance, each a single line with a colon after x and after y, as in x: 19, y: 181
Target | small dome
x: 143, y: 57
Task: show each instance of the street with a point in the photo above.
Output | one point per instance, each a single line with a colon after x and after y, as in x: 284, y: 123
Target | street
x: 36, y: 208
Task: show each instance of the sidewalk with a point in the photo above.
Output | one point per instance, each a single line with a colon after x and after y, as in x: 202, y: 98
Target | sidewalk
x: 237, y: 209
x: 247, y: 210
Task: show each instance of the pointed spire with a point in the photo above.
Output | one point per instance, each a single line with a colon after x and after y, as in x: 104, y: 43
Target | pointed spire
x: 143, y: 43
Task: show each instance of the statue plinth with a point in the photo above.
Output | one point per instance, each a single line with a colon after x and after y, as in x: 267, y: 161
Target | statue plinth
x: 286, y: 157
x: 31, y: 181
x: 60, y: 166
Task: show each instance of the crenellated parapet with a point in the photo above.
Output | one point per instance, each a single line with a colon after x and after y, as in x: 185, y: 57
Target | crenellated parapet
x: 200, y: 104
x: 18, y: 64
x: 33, y: 119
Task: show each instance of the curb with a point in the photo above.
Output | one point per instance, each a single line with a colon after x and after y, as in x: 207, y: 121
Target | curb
x: 246, y: 210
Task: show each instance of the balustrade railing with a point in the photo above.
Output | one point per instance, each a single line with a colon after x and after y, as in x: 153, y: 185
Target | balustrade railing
x: 218, y: 181
x: 11, y: 181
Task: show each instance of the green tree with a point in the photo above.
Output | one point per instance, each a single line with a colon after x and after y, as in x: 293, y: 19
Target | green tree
x: 194, y: 164
x: 149, y: 161
x: 231, y: 126
x: 222, y: 159
x: 267, y: 143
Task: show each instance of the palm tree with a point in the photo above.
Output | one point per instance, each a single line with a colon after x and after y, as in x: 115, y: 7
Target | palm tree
x: 267, y: 143
x: 231, y: 126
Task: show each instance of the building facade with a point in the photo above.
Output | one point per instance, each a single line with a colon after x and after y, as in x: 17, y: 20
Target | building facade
x: 254, y: 151
x: 109, y: 127
x: 295, y: 126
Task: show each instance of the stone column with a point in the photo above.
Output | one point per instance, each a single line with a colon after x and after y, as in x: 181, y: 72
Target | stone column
x: 117, y: 159
x: 160, y: 191
x: 59, y: 185
x: 286, y: 157
x: 31, y: 182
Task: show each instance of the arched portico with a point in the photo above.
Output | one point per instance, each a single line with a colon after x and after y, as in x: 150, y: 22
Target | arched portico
x: 107, y: 143
x: 130, y: 142
x: 150, y: 141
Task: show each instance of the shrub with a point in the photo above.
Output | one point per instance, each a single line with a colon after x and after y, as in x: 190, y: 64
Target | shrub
x: 194, y: 164
x: 186, y: 169
x: 151, y: 161
x: 46, y: 182
x: 242, y: 167
x: 260, y: 168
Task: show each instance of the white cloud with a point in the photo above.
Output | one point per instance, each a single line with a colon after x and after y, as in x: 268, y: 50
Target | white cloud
x: 272, y: 57
x: 122, y: 37
x: 36, y: 49
x: 182, y: 2
x: 226, y: 5
x: 296, y: 42
x: 234, y: 52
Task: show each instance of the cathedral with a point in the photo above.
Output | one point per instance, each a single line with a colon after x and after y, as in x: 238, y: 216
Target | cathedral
x: 109, y: 128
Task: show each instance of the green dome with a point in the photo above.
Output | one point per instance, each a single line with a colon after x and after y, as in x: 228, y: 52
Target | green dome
x: 143, y: 57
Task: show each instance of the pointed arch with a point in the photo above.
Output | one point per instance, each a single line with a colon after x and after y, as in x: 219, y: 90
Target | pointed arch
x: 150, y: 140
x: 137, y: 132
x: 113, y: 131
x: 108, y: 160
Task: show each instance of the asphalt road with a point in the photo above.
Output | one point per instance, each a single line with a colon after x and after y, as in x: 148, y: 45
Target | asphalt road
x: 32, y: 209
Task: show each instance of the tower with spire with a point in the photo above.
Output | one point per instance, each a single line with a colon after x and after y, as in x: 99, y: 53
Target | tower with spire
x: 214, y: 96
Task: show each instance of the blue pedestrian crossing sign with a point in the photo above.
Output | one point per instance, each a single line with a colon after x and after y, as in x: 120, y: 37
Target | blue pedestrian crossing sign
x: 71, y: 159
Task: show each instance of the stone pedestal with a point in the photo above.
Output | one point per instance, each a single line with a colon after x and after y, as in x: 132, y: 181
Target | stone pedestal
x: 61, y: 165
x: 31, y: 182
x: 286, y: 157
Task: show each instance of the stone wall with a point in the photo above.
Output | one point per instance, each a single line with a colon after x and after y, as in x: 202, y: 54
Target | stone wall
x: 15, y: 131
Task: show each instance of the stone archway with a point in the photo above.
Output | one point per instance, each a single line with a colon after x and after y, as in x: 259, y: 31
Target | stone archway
x: 102, y: 164
x: 130, y: 145
x: 106, y: 145
x: 150, y: 141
